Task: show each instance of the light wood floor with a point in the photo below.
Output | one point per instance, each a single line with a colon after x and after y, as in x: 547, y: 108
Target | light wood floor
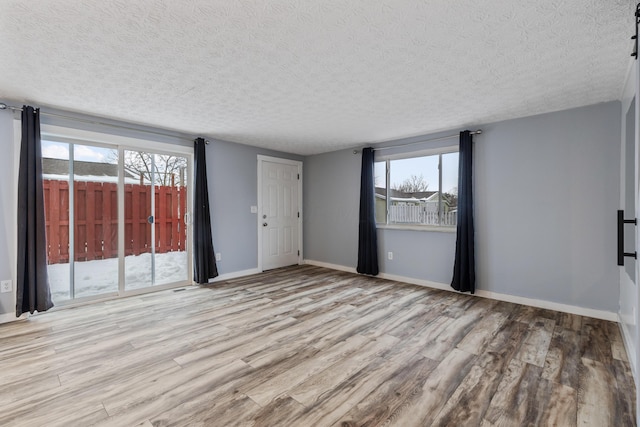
x: 307, y: 346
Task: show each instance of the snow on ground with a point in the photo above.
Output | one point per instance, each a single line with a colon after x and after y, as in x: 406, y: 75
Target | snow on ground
x: 101, y: 276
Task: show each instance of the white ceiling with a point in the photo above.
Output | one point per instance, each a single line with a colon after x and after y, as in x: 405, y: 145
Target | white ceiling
x: 309, y: 76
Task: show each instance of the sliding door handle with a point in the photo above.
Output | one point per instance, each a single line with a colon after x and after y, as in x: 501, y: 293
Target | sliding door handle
x: 621, y: 223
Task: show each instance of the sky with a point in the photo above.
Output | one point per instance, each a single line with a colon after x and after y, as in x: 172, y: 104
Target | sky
x: 402, y: 169
x: 60, y: 150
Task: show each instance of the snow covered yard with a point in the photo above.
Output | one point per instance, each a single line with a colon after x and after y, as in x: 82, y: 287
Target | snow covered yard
x: 101, y: 276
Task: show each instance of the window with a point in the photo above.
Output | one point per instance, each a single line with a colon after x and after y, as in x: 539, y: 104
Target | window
x: 417, y: 189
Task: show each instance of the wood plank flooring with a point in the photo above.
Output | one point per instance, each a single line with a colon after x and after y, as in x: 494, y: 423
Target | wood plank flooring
x: 307, y: 346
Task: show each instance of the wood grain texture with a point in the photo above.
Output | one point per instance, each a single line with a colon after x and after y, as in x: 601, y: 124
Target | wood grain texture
x: 307, y: 346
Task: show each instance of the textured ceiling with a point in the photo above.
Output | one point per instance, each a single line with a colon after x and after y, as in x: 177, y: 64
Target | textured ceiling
x: 309, y: 76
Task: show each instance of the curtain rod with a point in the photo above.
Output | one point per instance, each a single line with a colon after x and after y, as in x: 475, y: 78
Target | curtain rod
x: 4, y: 106
x: 475, y: 132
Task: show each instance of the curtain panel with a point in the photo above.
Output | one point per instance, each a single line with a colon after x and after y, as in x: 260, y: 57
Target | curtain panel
x: 367, y: 237
x: 464, y: 269
x: 32, y: 289
x: 204, y: 260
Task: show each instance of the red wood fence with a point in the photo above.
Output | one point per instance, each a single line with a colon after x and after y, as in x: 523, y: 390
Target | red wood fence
x: 96, y: 219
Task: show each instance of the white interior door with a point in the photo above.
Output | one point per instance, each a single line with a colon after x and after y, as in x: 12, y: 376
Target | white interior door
x: 279, y: 215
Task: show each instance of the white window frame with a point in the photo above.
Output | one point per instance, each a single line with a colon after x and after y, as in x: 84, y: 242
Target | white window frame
x: 410, y: 155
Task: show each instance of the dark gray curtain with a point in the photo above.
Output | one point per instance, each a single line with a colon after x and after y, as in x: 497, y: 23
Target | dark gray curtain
x: 367, y: 239
x: 204, y: 260
x: 33, y: 293
x: 464, y: 268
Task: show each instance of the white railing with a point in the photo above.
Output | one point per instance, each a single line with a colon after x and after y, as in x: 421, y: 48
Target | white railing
x: 416, y: 214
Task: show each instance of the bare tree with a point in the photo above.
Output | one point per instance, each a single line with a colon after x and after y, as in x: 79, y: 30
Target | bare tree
x: 169, y: 170
x: 413, y: 184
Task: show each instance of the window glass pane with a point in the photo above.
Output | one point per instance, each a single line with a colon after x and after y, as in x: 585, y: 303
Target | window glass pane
x: 55, y: 182
x: 138, y: 260
x: 414, y: 191
x: 380, y: 183
x: 170, y: 207
x: 95, y: 230
x: 450, y: 189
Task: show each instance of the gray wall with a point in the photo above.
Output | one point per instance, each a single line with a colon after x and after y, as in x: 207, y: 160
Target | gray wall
x: 546, y: 188
x: 546, y: 191
x: 331, y: 195
x: 7, y: 209
x: 232, y: 175
x: 233, y: 179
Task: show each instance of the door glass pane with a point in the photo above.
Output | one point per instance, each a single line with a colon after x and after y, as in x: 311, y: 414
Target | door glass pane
x: 137, y: 215
x: 170, y: 254
x: 55, y: 180
x: 95, y: 231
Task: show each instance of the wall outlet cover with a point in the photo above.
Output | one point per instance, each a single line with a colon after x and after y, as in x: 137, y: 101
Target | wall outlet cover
x: 5, y: 286
x: 218, y: 256
x: 254, y: 209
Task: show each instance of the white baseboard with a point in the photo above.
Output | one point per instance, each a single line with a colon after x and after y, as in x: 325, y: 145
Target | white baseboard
x: 8, y: 317
x: 628, y: 346
x: 329, y: 265
x: 565, y: 308
x: 11, y: 317
x: 235, y: 275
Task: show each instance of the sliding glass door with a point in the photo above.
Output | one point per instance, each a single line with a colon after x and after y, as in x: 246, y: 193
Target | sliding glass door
x: 96, y: 195
x: 155, y: 209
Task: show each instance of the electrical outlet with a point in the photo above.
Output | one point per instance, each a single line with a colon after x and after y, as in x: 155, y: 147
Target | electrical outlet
x: 218, y: 256
x: 390, y: 255
x: 254, y: 209
x: 5, y: 286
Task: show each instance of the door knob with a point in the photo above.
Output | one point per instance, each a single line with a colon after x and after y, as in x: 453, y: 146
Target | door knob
x: 264, y: 216
x: 264, y: 224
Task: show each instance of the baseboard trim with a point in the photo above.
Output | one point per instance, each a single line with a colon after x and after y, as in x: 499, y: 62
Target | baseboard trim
x: 11, y: 317
x: 565, y: 308
x: 628, y: 346
x: 329, y: 265
x: 235, y: 275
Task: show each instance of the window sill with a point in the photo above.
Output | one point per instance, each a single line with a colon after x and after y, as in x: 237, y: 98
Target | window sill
x: 436, y: 228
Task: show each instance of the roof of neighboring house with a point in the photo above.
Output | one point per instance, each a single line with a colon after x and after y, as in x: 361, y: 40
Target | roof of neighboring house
x: 429, y: 196
x: 399, y: 194
x: 80, y: 168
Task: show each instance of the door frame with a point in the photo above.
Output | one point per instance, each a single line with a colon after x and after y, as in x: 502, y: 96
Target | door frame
x: 261, y: 159
x: 162, y: 149
x: 121, y: 143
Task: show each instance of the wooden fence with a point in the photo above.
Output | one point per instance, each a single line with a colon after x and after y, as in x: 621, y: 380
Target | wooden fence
x: 96, y: 219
